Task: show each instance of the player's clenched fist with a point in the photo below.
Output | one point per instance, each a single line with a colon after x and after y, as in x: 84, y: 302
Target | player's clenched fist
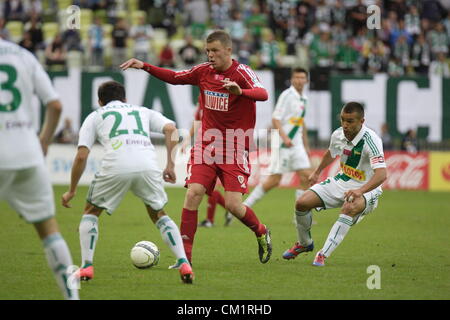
x: 232, y: 87
x: 132, y: 63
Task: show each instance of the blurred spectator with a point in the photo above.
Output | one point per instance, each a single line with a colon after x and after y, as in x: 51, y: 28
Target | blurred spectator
x: 386, y: 137
x: 14, y: 10
x: 399, y: 6
x: 167, y: 56
x: 170, y: 12
x: 236, y: 29
x: 323, y: 12
x: 26, y: 42
x: 293, y: 33
x: 409, y: 142
x: 398, y: 32
x: 446, y: 23
x: 72, y: 40
x: 56, y: 53
x: 358, y: 16
x: 33, y: 7
x: 347, y: 57
x: 197, y: 13
x: 395, y: 68
x: 421, y: 55
x: 4, y: 33
x: 338, y: 13
x: 279, y: 12
x: 34, y: 27
x: 440, y: 66
x: 142, y: 33
x: 270, y: 52
x: 412, y: 22
x: 306, y: 13
x: 438, y: 40
x: 189, y: 53
x: 401, y: 50
x: 244, y: 50
x: 119, y: 43
x: 220, y: 14
x: 339, y: 34
x: 67, y: 133
x: 375, y: 60
x: 255, y: 24
x: 96, y: 36
x: 432, y: 10
x: 322, y: 50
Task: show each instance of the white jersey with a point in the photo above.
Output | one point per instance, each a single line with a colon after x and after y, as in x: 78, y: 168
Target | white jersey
x: 358, y: 157
x: 291, y: 110
x: 124, y: 131
x: 21, y: 76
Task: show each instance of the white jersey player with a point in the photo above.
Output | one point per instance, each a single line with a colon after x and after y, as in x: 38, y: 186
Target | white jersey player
x: 355, y: 189
x: 129, y: 163
x: 24, y: 180
x: 291, y: 154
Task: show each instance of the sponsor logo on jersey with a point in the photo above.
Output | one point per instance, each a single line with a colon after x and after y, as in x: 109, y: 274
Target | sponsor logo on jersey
x: 375, y: 160
x: 353, y: 173
x: 296, y: 121
x: 216, y: 100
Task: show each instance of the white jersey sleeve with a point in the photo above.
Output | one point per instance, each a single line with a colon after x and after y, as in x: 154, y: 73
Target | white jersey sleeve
x: 88, y: 131
x: 158, y: 121
x: 280, y: 107
x: 42, y: 82
x: 374, y: 148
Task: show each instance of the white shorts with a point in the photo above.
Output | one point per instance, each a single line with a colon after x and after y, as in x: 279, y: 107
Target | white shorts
x: 29, y: 192
x: 107, y: 191
x: 288, y: 160
x: 332, y: 195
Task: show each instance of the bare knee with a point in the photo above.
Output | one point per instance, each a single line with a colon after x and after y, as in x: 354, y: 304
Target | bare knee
x: 301, y: 205
x: 233, y: 207
x: 193, y: 198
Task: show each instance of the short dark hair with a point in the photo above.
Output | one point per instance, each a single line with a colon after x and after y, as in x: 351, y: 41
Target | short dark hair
x: 299, y: 70
x: 353, y: 106
x: 222, y: 36
x: 110, y: 91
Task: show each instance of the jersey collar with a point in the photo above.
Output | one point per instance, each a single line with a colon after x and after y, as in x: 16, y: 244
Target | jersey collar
x: 359, y: 135
x: 114, y: 102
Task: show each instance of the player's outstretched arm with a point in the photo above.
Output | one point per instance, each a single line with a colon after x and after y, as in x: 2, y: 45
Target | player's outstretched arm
x: 52, y: 115
x: 79, y: 164
x: 171, y: 140
x: 327, y: 159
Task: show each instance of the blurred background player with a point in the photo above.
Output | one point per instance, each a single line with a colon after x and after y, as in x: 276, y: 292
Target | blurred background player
x: 24, y: 180
x: 293, y: 156
x: 227, y: 88
x: 216, y: 197
x: 129, y: 164
x: 355, y: 189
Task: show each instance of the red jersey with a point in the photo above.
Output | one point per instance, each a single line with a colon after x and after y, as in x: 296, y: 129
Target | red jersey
x: 232, y: 116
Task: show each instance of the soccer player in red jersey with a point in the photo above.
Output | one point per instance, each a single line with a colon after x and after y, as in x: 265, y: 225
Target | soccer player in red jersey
x: 229, y: 91
x: 216, y: 197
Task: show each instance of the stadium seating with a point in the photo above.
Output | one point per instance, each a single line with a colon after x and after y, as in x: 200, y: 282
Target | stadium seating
x: 15, y: 29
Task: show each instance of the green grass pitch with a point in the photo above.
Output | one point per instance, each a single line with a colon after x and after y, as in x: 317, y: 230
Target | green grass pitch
x: 407, y: 237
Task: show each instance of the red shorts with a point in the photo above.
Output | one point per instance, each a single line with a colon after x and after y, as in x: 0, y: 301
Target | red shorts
x: 234, y: 177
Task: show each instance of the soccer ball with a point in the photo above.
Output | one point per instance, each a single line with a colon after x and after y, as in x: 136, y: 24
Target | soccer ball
x: 144, y: 254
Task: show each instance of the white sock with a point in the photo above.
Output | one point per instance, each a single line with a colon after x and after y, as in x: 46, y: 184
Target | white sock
x: 304, y: 221
x: 337, y: 234
x: 255, y: 196
x: 88, y: 238
x: 172, y: 237
x: 59, y: 259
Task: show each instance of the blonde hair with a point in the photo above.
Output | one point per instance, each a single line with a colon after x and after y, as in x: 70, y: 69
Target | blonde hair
x: 222, y: 36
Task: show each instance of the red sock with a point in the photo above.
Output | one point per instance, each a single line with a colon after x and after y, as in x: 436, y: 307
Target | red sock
x: 188, y: 228
x: 213, y: 200
x: 251, y: 220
